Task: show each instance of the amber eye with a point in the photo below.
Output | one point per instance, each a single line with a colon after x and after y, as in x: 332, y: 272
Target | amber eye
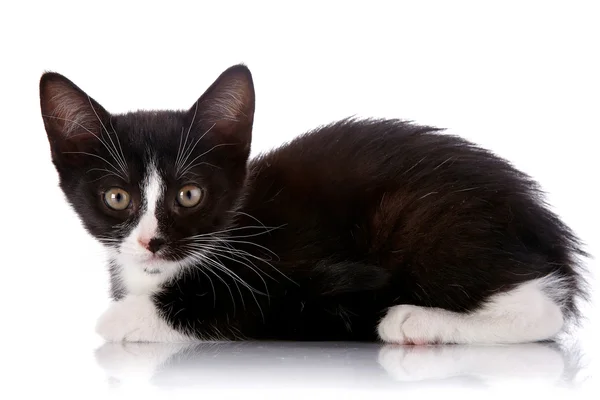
x: 117, y: 199
x: 189, y: 196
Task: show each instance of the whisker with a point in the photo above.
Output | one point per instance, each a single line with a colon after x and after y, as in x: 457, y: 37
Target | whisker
x: 110, y: 151
x: 199, y: 257
x: 206, y: 152
x: 211, y: 285
x: 269, y: 229
x: 229, y: 249
x: 99, y: 157
x: 123, y: 168
x: 179, y: 148
x: 220, y: 250
x: 187, y: 171
x: 236, y: 278
x: 189, y: 130
x: 103, y: 176
x: 189, y: 153
x: 227, y: 272
x: 227, y: 241
x: 116, y: 155
x: 251, y: 243
x: 249, y: 216
x: 119, y: 142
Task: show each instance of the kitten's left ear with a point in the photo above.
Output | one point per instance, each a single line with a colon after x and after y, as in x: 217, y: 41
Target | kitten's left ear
x: 227, y: 106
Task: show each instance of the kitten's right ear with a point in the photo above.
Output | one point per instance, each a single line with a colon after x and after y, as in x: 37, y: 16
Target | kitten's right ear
x: 228, y: 106
x: 72, y: 119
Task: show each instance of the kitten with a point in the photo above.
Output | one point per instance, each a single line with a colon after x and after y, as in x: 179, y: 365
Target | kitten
x: 361, y: 230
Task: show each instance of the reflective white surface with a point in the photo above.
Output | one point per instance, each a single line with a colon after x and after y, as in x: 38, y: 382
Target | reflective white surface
x: 94, y: 369
x: 334, y: 365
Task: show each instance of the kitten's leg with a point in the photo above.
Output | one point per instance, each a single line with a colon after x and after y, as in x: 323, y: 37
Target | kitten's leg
x: 524, y: 314
x: 136, y: 319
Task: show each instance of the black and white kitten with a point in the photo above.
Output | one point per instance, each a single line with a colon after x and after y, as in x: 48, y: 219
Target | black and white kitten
x: 360, y: 230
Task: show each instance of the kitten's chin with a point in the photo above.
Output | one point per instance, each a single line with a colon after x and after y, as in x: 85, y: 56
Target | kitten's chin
x: 141, y: 274
x: 155, y: 265
x: 144, y: 277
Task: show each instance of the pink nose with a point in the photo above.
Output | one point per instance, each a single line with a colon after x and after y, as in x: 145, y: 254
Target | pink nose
x: 152, y: 245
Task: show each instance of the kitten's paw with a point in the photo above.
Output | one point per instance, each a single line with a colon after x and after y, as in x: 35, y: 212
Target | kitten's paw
x: 407, y: 324
x: 135, y: 319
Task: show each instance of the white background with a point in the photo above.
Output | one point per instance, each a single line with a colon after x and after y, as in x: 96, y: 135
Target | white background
x: 520, y: 78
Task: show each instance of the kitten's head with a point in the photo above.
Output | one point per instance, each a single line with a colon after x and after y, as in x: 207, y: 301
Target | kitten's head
x: 146, y: 183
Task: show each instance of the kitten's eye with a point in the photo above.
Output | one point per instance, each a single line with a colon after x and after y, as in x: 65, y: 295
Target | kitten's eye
x: 117, y: 199
x: 189, y: 196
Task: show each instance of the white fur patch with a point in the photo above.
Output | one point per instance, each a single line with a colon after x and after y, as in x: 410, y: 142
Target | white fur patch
x: 140, y: 271
x: 135, y: 319
x: 152, y: 192
x: 524, y: 314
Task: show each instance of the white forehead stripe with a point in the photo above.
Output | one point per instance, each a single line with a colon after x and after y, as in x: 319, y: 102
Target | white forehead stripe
x: 152, y: 190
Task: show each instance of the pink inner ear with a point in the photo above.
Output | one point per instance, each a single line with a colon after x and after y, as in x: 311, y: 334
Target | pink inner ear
x: 68, y: 112
x: 231, y: 102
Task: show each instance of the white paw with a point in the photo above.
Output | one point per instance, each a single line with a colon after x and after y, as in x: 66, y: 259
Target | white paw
x: 407, y: 324
x: 135, y: 319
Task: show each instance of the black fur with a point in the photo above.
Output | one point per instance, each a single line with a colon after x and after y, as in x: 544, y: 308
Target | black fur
x: 336, y: 226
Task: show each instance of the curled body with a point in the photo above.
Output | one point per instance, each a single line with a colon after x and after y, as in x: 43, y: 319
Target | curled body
x: 362, y: 230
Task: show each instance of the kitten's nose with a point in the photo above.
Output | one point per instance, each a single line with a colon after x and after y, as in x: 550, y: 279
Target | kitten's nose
x: 154, y: 245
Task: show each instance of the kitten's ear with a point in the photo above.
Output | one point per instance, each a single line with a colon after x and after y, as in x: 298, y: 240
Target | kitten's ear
x: 72, y: 119
x: 228, y: 105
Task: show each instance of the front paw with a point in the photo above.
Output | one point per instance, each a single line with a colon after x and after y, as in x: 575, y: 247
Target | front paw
x: 136, y: 319
x: 118, y: 321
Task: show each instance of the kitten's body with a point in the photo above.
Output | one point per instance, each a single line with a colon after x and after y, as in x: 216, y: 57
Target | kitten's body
x: 361, y: 230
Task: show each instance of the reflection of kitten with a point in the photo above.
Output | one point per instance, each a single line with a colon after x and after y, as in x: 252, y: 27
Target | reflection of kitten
x: 523, y: 362
x: 286, y: 364
x: 360, y: 230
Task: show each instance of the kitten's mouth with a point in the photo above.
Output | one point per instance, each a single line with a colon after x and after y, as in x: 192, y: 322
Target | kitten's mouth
x: 153, y: 264
x: 152, y: 271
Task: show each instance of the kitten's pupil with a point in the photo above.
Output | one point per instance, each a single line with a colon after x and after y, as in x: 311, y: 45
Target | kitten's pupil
x: 117, y: 199
x: 189, y: 196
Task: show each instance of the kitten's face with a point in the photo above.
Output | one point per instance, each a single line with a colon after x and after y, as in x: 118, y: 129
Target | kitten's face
x: 152, y: 186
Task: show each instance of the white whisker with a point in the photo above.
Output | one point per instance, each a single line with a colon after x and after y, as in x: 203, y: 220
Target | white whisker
x: 205, y: 153
x: 123, y: 167
x: 178, y: 164
x: 220, y: 252
x: 110, y: 151
x: 119, y: 142
x: 99, y: 157
x: 236, y: 278
x: 189, y: 153
x: 211, y: 234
